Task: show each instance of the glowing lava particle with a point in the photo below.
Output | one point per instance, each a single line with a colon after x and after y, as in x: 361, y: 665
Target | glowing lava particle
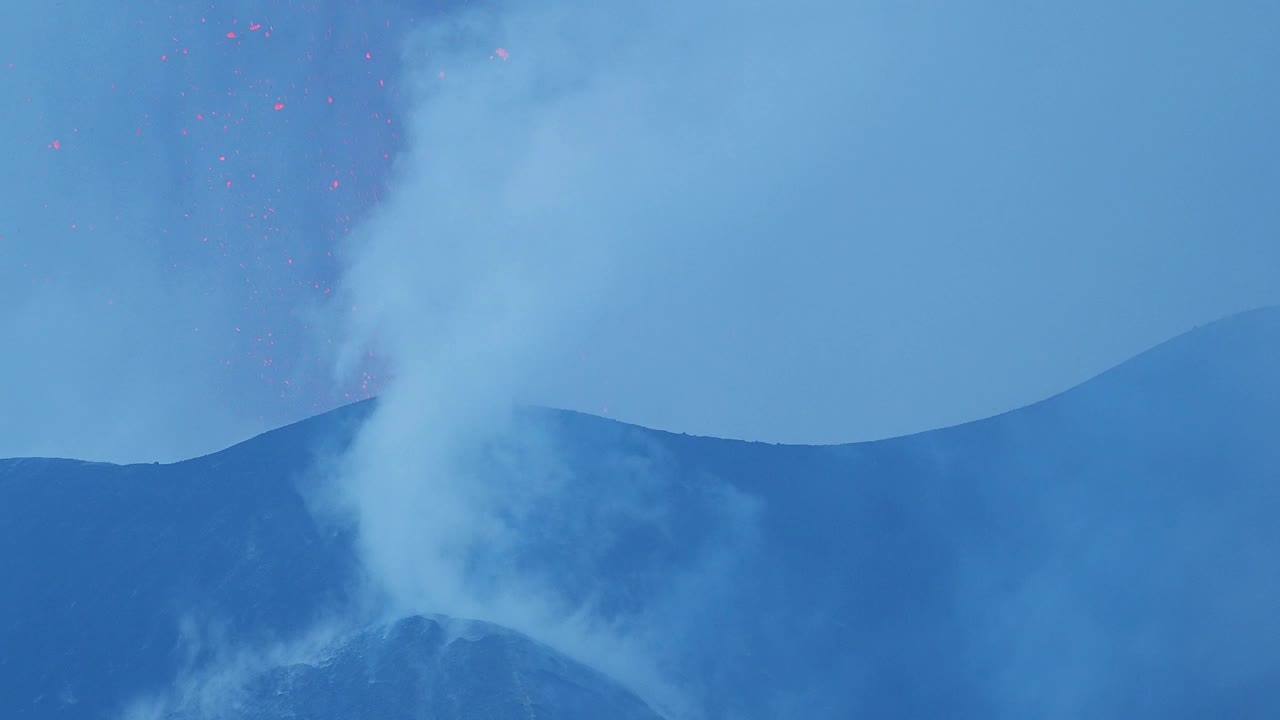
x: 231, y: 35
x: 502, y: 53
x: 279, y: 106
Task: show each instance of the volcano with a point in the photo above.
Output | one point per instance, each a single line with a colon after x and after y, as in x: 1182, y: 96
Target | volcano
x: 1107, y: 552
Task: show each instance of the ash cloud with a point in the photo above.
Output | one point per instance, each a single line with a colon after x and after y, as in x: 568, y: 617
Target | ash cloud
x: 547, y: 181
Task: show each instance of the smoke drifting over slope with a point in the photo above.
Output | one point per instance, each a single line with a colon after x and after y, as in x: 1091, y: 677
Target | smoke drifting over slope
x: 547, y: 181
x: 549, y: 186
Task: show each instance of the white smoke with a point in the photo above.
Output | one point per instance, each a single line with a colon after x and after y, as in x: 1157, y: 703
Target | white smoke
x: 563, y: 159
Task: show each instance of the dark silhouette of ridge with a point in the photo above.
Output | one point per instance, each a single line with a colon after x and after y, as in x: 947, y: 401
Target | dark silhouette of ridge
x: 1107, y: 552
x: 437, y: 668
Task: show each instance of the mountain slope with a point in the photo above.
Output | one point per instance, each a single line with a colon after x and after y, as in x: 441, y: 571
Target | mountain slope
x: 429, y: 668
x: 1107, y: 552
x: 117, y: 576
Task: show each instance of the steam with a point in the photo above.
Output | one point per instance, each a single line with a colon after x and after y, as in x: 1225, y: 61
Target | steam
x: 541, y: 174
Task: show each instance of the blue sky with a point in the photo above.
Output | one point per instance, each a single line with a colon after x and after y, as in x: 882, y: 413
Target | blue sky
x: 805, y: 223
